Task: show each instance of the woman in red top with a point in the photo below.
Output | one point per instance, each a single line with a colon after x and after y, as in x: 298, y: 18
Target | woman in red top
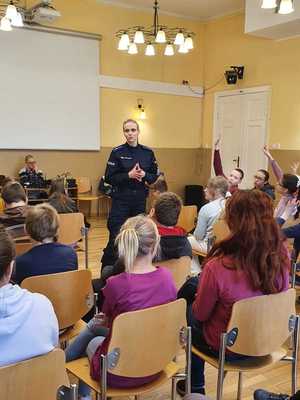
x: 251, y: 261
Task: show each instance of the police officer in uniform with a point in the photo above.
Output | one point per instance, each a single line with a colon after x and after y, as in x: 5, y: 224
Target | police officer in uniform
x: 130, y: 167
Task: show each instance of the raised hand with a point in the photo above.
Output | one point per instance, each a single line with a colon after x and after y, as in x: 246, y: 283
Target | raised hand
x: 217, y: 143
x: 267, y: 152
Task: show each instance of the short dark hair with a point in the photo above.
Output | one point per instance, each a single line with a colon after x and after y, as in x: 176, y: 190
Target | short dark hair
x: 133, y: 121
x: 167, y: 208
x: 290, y: 182
x: 7, y: 251
x: 241, y: 172
x: 266, y: 174
x: 42, y: 222
x: 13, y: 192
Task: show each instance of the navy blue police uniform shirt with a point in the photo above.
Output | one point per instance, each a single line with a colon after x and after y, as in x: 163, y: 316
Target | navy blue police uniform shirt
x: 122, y: 159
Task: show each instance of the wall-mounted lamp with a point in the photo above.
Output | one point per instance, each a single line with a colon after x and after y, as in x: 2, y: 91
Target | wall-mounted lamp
x: 141, y: 109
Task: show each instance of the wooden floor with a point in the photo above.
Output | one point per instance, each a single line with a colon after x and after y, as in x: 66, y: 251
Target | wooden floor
x: 276, y: 379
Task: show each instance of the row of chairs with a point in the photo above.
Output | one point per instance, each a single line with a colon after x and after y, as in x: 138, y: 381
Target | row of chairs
x: 146, y: 341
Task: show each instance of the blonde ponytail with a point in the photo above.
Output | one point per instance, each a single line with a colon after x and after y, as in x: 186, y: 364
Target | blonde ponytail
x: 128, y: 247
x: 138, y: 237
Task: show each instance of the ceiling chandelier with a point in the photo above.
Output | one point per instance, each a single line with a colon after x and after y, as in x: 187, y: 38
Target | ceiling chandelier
x: 173, y: 39
x: 11, y: 15
x: 281, y: 6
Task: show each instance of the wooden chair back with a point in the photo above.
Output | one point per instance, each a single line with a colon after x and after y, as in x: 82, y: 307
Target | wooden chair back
x: 71, y: 228
x: 187, y: 218
x: 262, y: 323
x: 34, y: 379
x: 220, y: 230
x: 179, y: 267
x: 83, y: 184
x: 22, y: 248
x: 71, y: 294
x: 145, y: 341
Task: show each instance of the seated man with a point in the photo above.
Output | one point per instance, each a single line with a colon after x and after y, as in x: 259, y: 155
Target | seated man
x: 173, y: 242
x: 215, y: 194
x: 30, y: 175
x: 47, y: 256
x: 14, y: 214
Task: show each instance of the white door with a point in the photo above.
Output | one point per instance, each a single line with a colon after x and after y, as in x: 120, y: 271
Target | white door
x: 241, y: 120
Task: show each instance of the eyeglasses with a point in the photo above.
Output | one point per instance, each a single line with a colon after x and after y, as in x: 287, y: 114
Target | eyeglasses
x: 130, y: 130
x: 258, y: 178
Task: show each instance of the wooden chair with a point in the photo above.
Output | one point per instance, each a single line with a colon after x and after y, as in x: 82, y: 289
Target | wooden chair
x: 179, y: 267
x: 187, y: 218
x: 273, y: 320
x: 144, y: 343
x: 220, y: 230
x: 71, y: 294
x: 72, y: 229
x: 36, y: 378
x: 22, y: 248
x: 85, y: 193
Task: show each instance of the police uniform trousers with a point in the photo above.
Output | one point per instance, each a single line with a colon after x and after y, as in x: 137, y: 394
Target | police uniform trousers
x: 124, y: 205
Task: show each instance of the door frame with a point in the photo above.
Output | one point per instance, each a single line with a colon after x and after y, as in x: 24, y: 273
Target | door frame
x: 237, y: 92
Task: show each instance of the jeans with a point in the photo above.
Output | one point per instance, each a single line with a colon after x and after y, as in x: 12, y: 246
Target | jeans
x: 198, y: 340
x: 85, y: 344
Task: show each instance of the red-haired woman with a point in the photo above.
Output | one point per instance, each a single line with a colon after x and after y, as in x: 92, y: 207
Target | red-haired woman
x: 251, y: 261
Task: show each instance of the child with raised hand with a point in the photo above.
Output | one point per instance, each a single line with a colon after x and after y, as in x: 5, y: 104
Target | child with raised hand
x: 141, y: 286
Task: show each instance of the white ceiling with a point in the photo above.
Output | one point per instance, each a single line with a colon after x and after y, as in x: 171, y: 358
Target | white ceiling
x: 195, y: 9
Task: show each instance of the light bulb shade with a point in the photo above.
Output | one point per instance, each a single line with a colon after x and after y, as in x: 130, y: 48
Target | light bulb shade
x: 143, y: 114
x: 286, y: 7
x: 179, y: 39
x: 132, y: 49
x: 160, y: 37
x: 5, y: 25
x: 189, y: 43
x: 122, y: 45
x: 125, y: 40
x: 18, y: 20
x: 269, y: 4
x: 183, y: 49
x: 169, y: 50
x: 11, y: 11
x: 150, y: 50
x: 139, y: 37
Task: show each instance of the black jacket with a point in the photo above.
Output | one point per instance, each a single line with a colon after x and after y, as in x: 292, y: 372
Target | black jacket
x: 122, y: 159
x: 174, y: 247
x: 269, y: 190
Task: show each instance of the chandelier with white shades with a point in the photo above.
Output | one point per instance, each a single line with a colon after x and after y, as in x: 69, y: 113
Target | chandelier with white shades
x: 173, y: 39
x: 280, y: 6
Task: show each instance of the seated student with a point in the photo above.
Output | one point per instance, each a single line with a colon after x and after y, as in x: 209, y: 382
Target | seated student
x: 215, y: 194
x: 173, y: 240
x: 261, y: 182
x: 252, y: 261
x: 287, y: 185
x: 16, y: 208
x: 3, y: 181
x: 28, y: 324
x: 30, y: 175
x: 59, y: 199
x: 141, y: 286
x: 47, y: 256
x: 236, y: 175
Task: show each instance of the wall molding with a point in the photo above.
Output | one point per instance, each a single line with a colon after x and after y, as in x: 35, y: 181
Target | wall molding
x: 138, y: 85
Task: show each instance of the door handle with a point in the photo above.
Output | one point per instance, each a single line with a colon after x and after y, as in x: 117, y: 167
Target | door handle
x: 237, y: 161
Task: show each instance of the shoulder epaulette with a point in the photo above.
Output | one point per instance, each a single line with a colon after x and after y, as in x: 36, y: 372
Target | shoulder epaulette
x: 145, y: 147
x: 118, y: 147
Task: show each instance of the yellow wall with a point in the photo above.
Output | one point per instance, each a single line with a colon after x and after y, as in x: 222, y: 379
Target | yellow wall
x: 267, y: 62
x: 173, y: 121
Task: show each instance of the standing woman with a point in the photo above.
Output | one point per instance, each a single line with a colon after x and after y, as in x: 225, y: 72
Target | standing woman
x: 130, y: 167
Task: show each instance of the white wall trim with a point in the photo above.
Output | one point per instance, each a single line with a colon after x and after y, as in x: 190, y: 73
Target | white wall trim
x: 236, y: 92
x: 138, y: 85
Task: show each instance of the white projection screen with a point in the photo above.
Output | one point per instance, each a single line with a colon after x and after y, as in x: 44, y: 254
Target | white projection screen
x: 49, y: 91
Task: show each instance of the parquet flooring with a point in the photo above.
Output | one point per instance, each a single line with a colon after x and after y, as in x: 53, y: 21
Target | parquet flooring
x: 277, y: 378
